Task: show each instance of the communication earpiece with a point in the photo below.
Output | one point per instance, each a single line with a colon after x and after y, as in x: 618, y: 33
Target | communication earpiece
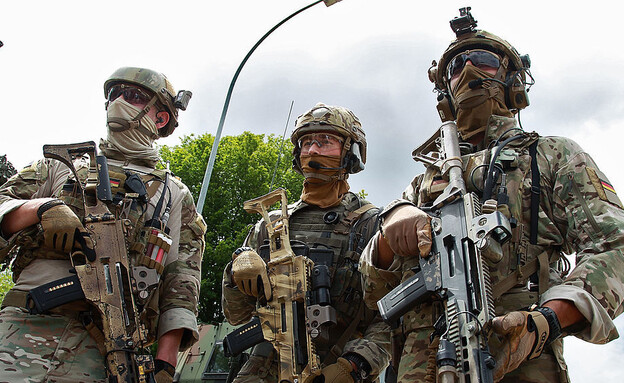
x: 353, y: 159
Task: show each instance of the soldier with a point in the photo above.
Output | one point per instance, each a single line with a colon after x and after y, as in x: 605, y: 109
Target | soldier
x: 556, y: 198
x: 332, y: 222
x: 38, y: 207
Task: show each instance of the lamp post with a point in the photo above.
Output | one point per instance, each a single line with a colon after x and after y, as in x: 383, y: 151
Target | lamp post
x: 215, y: 146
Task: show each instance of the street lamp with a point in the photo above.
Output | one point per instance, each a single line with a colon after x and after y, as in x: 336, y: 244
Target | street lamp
x: 215, y: 145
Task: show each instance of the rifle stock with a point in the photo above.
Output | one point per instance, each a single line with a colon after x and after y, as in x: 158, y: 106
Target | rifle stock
x: 105, y: 275
x: 456, y: 273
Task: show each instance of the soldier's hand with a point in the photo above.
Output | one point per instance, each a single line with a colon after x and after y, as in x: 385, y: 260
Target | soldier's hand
x: 249, y: 272
x: 163, y: 371
x: 339, y: 372
x: 524, y: 335
x: 407, y: 229
x: 62, y: 229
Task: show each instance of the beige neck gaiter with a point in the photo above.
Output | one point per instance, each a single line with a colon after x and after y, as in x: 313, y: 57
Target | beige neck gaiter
x: 475, y: 106
x: 323, y: 187
x: 129, y: 144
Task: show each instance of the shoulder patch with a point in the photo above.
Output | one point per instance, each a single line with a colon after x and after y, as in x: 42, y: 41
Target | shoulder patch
x: 604, y: 188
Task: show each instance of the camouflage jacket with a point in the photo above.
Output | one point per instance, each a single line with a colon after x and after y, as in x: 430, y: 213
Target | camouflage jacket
x: 174, y: 304
x: 307, y: 225
x: 579, y: 212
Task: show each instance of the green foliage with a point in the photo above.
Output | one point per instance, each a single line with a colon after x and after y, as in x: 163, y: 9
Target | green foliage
x: 6, y: 282
x: 243, y: 169
x: 6, y: 169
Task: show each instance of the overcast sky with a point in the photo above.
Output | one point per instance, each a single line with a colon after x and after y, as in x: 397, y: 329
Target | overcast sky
x: 370, y: 56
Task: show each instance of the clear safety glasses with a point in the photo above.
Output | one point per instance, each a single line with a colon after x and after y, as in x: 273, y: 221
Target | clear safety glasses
x: 322, y: 140
x: 478, y: 57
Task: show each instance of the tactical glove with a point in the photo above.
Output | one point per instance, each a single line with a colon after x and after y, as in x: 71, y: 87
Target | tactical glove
x: 163, y: 371
x: 524, y: 335
x: 339, y: 372
x: 62, y: 229
x: 407, y: 230
x: 249, y: 272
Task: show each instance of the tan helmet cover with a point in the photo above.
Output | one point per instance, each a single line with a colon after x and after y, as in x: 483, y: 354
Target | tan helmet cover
x: 478, y: 39
x: 153, y: 81
x: 333, y: 119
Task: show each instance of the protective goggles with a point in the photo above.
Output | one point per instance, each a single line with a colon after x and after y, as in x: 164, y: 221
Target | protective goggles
x: 478, y: 57
x: 130, y: 94
x: 322, y: 140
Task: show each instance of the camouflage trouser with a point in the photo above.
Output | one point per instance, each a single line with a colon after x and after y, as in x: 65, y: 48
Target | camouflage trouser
x: 47, y: 348
x: 260, y: 368
x: 418, y: 350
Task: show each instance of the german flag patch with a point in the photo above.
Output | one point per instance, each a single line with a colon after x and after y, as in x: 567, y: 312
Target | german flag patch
x: 604, y: 188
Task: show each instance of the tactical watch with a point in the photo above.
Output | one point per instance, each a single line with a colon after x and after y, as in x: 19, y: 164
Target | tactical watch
x: 362, y: 368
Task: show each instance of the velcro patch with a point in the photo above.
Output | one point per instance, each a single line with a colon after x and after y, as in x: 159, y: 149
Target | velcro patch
x: 604, y: 188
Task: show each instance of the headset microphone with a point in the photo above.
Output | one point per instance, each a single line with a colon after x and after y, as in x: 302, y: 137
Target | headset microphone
x: 317, y: 166
x: 478, y: 82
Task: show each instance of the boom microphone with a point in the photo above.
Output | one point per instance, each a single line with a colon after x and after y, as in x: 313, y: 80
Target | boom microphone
x: 317, y: 166
x: 478, y: 82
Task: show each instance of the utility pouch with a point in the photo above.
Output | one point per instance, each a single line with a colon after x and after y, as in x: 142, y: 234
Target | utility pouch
x: 46, y: 297
x: 243, y: 338
x: 150, y: 261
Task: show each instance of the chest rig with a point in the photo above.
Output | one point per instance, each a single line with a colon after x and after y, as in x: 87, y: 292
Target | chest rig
x: 513, y: 189
x: 335, y: 237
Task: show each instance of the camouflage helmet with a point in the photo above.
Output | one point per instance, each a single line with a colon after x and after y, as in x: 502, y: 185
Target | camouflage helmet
x: 159, y: 85
x: 336, y: 120
x: 513, y: 68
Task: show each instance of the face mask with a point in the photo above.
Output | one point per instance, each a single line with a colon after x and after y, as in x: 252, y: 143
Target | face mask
x: 475, y: 106
x: 121, y: 115
x: 126, y: 139
x: 323, y: 187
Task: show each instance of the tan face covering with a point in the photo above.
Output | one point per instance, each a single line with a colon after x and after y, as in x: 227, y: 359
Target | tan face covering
x: 322, y: 186
x: 129, y: 144
x: 475, y: 106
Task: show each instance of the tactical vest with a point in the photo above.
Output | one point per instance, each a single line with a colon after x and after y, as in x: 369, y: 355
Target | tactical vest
x: 345, y: 230
x: 521, y: 259
x: 125, y: 206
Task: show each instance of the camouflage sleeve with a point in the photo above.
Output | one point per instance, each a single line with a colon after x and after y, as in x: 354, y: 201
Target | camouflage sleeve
x: 238, y: 307
x: 374, y: 346
x: 179, y: 291
x: 42, y: 178
x: 377, y: 282
x: 589, y: 214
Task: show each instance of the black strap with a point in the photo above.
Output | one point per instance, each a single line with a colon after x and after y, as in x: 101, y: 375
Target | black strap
x: 535, y: 192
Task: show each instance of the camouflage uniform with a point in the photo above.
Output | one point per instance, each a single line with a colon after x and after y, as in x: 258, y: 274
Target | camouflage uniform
x: 579, y: 212
x: 306, y: 224
x: 56, y: 347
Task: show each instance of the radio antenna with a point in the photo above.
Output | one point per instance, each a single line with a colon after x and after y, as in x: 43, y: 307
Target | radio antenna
x: 279, y: 153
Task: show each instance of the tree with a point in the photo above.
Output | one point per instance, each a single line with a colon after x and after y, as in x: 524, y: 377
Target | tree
x: 243, y: 170
x: 6, y: 169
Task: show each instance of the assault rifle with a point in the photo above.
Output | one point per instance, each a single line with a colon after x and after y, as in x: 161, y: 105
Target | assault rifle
x: 286, y: 319
x: 105, y: 274
x: 456, y: 272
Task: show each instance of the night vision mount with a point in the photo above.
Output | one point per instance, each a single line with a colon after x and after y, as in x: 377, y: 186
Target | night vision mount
x: 465, y: 23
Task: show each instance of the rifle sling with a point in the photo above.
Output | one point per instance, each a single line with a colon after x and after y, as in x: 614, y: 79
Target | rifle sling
x: 336, y: 351
x: 539, y: 264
